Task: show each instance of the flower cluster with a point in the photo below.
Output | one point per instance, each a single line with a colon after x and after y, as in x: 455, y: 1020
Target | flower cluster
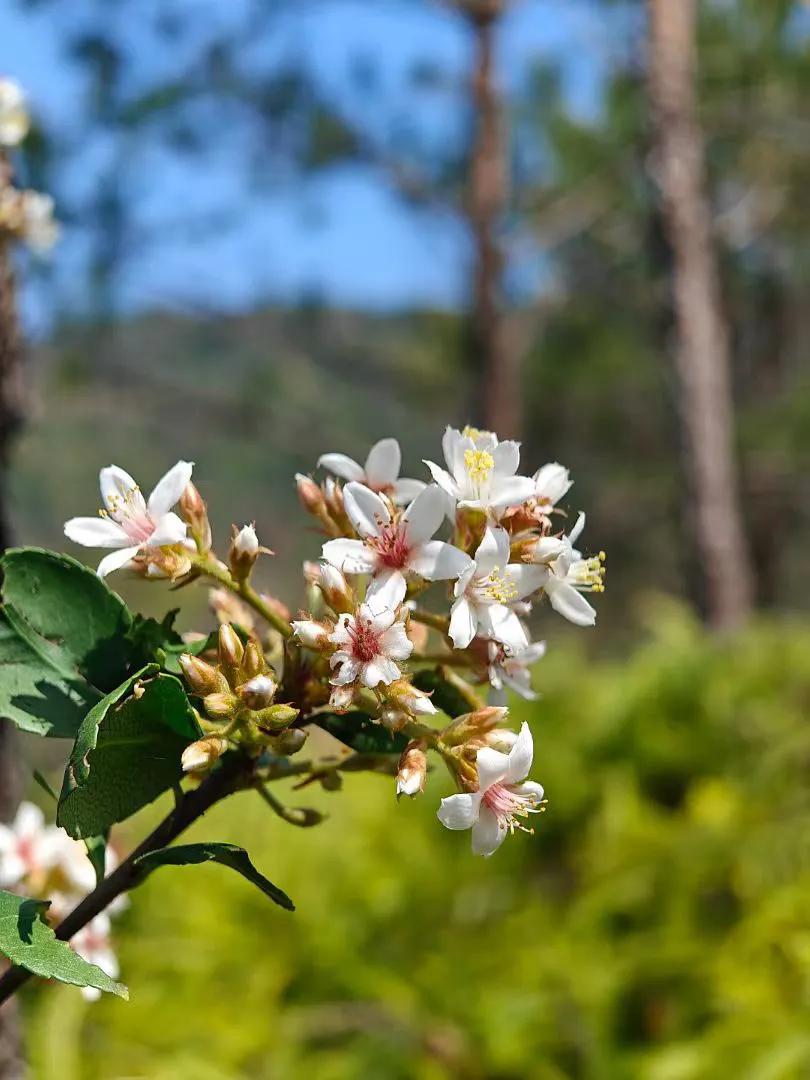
x: 43, y: 861
x: 24, y: 215
x: 487, y: 542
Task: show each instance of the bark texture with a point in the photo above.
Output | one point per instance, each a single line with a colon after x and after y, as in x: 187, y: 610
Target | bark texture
x: 498, y: 406
x: 702, y: 351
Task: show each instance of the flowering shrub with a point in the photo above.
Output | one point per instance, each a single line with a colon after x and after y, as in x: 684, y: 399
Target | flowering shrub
x: 405, y: 650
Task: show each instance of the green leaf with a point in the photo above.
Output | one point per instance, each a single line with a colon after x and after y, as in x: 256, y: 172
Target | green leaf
x: 67, y: 612
x: 225, y: 854
x: 127, y: 753
x: 97, y: 854
x: 27, y: 940
x: 357, y: 730
x: 445, y: 696
x: 43, y: 783
x: 149, y: 639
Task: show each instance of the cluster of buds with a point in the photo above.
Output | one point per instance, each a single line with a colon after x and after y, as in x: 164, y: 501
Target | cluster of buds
x: 495, y: 543
x: 237, y: 693
x: 41, y: 860
x: 25, y: 216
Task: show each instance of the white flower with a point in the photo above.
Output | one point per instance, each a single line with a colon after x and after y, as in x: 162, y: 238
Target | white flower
x: 481, y: 470
x: 28, y: 847
x: 512, y: 669
x: 127, y: 522
x: 370, y: 641
x: 380, y: 472
x: 551, y: 482
x: 93, y: 943
x: 40, y: 230
x: 246, y: 542
x: 14, y: 119
x: 503, y: 799
x: 487, y: 589
x: 568, y: 575
x: 392, y: 547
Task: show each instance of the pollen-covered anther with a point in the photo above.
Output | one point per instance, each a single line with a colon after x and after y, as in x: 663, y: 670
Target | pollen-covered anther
x: 479, y: 464
x: 499, y: 587
x: 589, y: 574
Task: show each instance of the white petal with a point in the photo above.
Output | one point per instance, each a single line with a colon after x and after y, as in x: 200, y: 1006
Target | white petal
x: 500, y: 622
x: 96, y: 532
x: 519, y: 682
x: 506, y: 456
x: 570, y: 603
x: 12, y: 869
x: 453, y: 446
x: 576, y: 532
x: 169, y: 529
x: 116, y: 484
x: 547, y: 548
x: 349, y: 670
x: 116, y: 560
x: 169, y: 488
x: 531, y: 788
x: 341, y: 465
x: 488, y: 833
x: 350, y: 556
x: 383, y: 462
x: 379, y: 670
x: 29, y: 821
x: 425, y: 514
x: 551, y: 482
x: 526, y: 578
x: 493, y: 767
x: 459, y: 811
x: 395, y: 643
x: 386, y: 591
x: 492, y: 551
x: 463, y: 623
x: 437, y: 561
x: 520, y: 756
x: 511, y: 491
x: 443, y: 479
x: 367, y: 512
x: 406, y: 490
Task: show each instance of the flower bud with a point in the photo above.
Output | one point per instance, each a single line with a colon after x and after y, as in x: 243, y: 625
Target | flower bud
x: 289, y: 742
x: 310, y: 494
x: 341, y: 697
x: 412, y: 770
x: 200, y: 756
x: 14, y: 118
x: 202, y: 678
x: 230, y: 609
x: 193, y: 510
x: 313, y: 634
x: 393, y: 718
x: 303, y: 816
x: 336, y: 591
x: 258, y: 692
x: 474, y: 725
x: 253, y: 661
x: 275, y: 717
x: 221, y: 706
x: 406, y: 697
x: 229, y: 647
x: 244, y: 552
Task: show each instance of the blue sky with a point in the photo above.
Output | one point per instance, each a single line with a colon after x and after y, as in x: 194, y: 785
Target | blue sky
x: 345, y: 234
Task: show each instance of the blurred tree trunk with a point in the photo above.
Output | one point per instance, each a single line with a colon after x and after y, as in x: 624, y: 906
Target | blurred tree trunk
x: 702, y: 354
x: 496, y: 358
x: 11, y: 1065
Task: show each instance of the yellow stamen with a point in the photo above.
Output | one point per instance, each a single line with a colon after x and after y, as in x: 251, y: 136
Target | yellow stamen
x: 479, y: 464
x: 499, y: 587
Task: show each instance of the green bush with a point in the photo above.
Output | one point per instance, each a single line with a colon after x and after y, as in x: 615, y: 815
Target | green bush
x: 656, y: 926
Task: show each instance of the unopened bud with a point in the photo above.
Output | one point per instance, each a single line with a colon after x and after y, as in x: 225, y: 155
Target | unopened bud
x: 202, y: 678
x: 229, y: 647
x: 275, y: 717
x: 313, y: 634
x: 405, y: 696
x: 194, y: 511
x: 253, y: 661
x: 258, y: 692
x: 501, y: 739
x: 200, y: 756
x: 333, y: 493
x: 289, y: 742
x: 310, y: 494
x: 412, y: 770
x: 341, y: 697
x: 244, y: 552
x: 336, y: 591
x: 221, y: 706
x: 393, y: 718
x: 474, y: 725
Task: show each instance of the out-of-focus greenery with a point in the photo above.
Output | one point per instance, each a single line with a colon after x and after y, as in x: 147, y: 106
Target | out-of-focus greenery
x: 656, y: 926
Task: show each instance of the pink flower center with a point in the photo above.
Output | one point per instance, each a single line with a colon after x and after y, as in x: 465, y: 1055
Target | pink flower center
x: 130, y: 512
x: 365, y: 640
x: 391, y: 545
x: 509, y: 804
x: 138, y: 527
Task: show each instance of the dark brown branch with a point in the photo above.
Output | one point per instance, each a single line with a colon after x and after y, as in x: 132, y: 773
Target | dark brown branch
x: 231, y: 776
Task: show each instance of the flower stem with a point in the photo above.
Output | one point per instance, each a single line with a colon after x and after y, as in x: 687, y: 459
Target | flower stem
x: 212, y: 568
